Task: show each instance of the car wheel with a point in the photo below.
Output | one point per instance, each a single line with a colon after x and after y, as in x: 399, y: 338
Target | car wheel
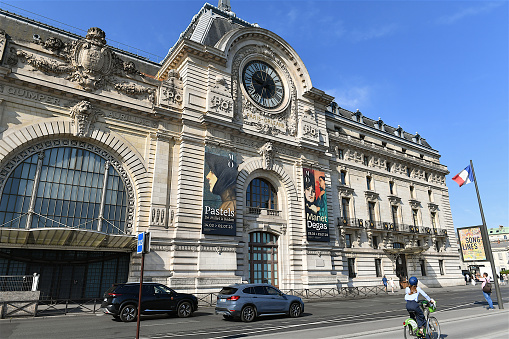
x: 128, y: 313
x: 295, y: 310
x: 184, y: 309
x: 248, y: 314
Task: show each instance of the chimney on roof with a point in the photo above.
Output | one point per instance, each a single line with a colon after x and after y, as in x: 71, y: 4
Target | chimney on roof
x: 224, y: 5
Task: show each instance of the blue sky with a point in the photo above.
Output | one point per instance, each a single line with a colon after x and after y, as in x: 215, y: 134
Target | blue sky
x: 439, y: 68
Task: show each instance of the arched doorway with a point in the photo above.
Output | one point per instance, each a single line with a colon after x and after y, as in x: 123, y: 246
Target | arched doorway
x: 263, y: 258
x: 69, y: 205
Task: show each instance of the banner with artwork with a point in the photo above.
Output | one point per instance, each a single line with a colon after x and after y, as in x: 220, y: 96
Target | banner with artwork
x: 219, y: 196
x: 471, y: 244
x: 315, y: 200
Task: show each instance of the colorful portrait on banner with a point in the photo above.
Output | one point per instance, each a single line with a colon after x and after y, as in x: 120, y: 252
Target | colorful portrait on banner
x: 219, y: 196
x: 472, y: 246
x: 315, y: 204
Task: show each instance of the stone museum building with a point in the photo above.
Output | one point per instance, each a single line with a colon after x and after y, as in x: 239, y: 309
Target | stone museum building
x: 240, y: 168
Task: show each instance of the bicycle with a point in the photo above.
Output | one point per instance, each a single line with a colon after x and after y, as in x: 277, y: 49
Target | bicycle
x: 432, y: 328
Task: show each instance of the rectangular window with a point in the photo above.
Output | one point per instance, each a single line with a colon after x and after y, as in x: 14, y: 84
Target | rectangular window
x: 368, y: 183
x: 371, y: 208
x: 391, y: 187
x: 394, y: 210
x: 366, y: 160
x: 378, y: 267
x: 437, y: 245
x: 343, y: 177
x: 430, y: 195
x: 345, y: 202
x: 408, y: 172
x: 415, y: 217
x: 433, y: 219
x: 351, y: 268
x: 341, y: 154
x: 375, y: 242
x: 348, y: 240
x: 412, y: 192
x: 388, y: 166
x: 441, y: 266
x: 423, y: 267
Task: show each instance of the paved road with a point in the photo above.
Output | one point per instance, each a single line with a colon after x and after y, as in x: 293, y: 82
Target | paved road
x: 461, y: 312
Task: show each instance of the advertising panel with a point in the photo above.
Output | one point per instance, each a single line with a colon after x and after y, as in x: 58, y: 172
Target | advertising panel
x: 219, y: 196
x: 472, y: 246
x: 315, y: 200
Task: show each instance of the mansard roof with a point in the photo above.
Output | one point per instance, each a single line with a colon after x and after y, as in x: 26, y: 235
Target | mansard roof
x: 336, y: 110
x: 210, y: 25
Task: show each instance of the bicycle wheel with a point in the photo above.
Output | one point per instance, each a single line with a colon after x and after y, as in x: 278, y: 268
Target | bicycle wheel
x: 433, y: 328
x: 407, y: 332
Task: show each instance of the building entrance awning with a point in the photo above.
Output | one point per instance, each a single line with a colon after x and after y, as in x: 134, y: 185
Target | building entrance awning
x: 406, y: 250
x: 66, y: 238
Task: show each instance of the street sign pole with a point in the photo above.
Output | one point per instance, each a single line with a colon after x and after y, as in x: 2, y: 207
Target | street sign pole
x: 143, y: 247
x: 139, y: 296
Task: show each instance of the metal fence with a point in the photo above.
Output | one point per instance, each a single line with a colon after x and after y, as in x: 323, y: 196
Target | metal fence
x: 19, y: 283
x: 67, y: 306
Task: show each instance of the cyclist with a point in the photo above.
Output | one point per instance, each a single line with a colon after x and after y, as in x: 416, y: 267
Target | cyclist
x: 412, y: 305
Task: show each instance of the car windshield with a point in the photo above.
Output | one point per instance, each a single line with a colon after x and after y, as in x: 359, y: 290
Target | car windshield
x: 228, y: 290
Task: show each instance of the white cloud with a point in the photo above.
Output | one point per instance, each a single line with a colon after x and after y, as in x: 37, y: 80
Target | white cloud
x: 373, y: 33
x: 352, y: 98
x: 466, y: 12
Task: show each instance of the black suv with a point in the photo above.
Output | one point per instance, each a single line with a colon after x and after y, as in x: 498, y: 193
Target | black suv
x: 121, y: 301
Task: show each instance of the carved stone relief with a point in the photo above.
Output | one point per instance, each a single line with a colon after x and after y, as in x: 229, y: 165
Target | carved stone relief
x: 170, y: 92
x: 83, y: 116
x: 88, y: 62
x: 266, y: 151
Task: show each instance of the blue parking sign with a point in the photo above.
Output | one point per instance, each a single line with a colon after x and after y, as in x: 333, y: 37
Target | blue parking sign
x: 141, y: 242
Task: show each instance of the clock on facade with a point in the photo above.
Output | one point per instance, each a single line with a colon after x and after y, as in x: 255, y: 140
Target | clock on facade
x: 263, y: 84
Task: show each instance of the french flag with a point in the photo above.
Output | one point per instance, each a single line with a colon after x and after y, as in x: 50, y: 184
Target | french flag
x: 464, y: 177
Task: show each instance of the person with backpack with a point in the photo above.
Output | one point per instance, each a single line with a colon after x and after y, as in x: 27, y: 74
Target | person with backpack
x: 486, y: 289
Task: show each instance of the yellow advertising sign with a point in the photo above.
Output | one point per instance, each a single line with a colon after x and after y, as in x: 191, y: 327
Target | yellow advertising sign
x: 472, y: 247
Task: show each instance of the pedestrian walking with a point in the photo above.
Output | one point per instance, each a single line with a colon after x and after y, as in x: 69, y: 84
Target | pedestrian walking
x: 391, y: 284
x: 466, y: 279
x: 486, y: 289
x: 384, y: 281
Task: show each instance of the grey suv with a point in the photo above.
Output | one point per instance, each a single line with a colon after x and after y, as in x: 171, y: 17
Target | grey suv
x: 247, y: 301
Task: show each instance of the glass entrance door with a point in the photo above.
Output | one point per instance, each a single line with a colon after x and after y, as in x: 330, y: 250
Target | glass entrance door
x: 263, y: 258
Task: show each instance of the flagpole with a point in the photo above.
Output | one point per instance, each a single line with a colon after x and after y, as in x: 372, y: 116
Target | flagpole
x: 486, y: 242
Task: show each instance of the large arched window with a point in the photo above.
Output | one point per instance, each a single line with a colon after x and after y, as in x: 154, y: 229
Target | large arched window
x: 261, y: 194
x: 65, y: 187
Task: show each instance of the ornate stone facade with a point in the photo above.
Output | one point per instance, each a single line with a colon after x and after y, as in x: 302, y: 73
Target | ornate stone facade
x: 156, y: 122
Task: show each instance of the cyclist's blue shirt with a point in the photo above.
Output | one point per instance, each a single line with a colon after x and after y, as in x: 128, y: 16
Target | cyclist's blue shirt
x: 415, y: 296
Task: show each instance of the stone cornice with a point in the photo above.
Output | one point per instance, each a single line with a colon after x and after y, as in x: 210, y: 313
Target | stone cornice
x: 318, y: 96
x: 187, y: 47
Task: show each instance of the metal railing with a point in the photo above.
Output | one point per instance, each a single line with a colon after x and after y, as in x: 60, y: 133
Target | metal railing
x: 18, y: 283
x: 53, y: 307
x: 263, y: 211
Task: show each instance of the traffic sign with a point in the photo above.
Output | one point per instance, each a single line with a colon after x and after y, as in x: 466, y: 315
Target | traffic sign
x: 143, y: 242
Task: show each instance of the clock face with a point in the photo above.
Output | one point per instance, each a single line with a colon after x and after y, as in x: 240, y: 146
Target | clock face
x: 263, y: 84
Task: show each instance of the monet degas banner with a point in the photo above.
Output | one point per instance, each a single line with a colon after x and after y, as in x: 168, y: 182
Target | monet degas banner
x: 315, y: 200
x: 472, y: 247
x: 219, y: 198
